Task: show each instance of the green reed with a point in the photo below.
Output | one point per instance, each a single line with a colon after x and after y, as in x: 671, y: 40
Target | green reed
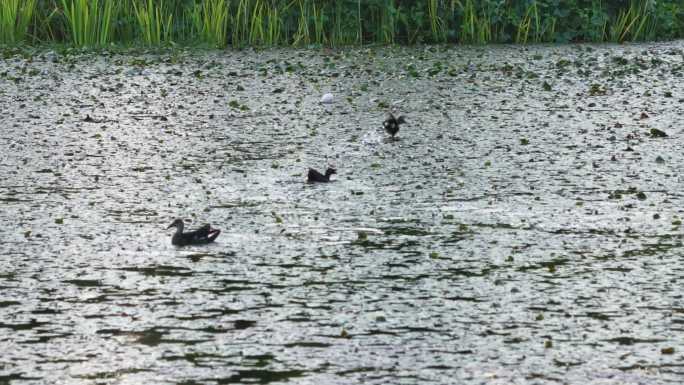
x: 15, y: 19
x: 476, y: 27
x: 274, y: 24
x: 89, y: 22
x: 154, y: 21
x: 209, y: 20
x: 240, y: 23
x: 532, y: 27
x: 302, y: 34
x: 436, y: 23
x: 633, y: 23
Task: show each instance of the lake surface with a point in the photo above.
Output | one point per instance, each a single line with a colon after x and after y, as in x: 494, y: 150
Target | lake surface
x: 524, y: 228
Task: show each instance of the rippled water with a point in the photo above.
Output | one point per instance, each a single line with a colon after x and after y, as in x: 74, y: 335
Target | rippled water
x: 523, y: 229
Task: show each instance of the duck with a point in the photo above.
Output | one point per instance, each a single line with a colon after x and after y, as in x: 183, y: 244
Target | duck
x: 203, y: 235
x: 391, y: 124
x: 315, y: 176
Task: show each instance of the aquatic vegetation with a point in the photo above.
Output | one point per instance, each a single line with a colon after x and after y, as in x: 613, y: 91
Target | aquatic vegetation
x: 476, y: 25
x: 154, y: 21
x: 210, y: 22
x: 510, y: 216
x: 336, y: 23
x: 15, y: 18
x: 90, y: 22
x: 532, y: 27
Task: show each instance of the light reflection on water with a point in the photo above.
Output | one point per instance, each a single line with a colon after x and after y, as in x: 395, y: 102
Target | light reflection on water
x: 502, y: 239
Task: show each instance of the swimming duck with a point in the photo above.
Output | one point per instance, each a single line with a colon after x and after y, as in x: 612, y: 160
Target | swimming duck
x: 204, y: 234
x: 315, y: 176
x: 391, y: 124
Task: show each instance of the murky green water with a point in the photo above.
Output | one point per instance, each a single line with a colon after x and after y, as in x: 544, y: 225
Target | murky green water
x: 524, y: 229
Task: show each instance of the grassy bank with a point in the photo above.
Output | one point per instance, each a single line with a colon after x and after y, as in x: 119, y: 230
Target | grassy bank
x: 335, y: 22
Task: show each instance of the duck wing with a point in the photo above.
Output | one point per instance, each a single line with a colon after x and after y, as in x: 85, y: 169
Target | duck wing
x: 204, y: 234
x: 315, y: 176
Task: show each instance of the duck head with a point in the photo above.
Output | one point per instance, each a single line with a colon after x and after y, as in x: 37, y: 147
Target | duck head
x: 401, y: 119
x: 178, y: 224
x: 330, y: 171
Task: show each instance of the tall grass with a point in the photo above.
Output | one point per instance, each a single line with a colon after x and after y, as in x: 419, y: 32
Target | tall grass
x: 274, y: 24
x: 240, y: 23
x: 337, y: 22
x: 476, y: 26
x: 388, y: 22
x: 437, y: 26
x: 89, y: 22
x: 15, y: 19
x: 633, y: 23
x: 154, y: 21
x: 302, y: 35
x: 532, y: 27
x: 210, y: 21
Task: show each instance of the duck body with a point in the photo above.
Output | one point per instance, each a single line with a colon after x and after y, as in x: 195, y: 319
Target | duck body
x: 316, y: 177
x: 391, y: 124
x: 203, y: 235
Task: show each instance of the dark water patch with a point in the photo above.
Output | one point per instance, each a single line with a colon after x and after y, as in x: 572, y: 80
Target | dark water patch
x: 9, y: 303
x: 63, y: 361
x: 243, y: 324
x: 233, y: 205
x: 8, y: 379
x: 308, y: 305
x: 260, y: 376
x: 632, y: 340
x: 619, y: 269
x: 8, y: 276
x: 408, y: 231
x: 650, y: 249
x: 197, y: 257
x: 374, y: 332
x: 31, y: 324
x: 223, y: 311
x: 567, y: 364
x: 456, y: 237
x: 106, y: 375
x: 460, y: 352
x: 415, y: 329
x: 643, y: 367
x: 404, y: 277
x: 149, y: 337
x: 84, y: 282
x: 13, y: 200
x: 393, y: 245
x: 545, y: 377
x: 213, y: 330
x: 300, y: 317
x: 501, y: 226
x: 201, y: 359
x: 160, y: 271
x: 372, y: 244
x: 549, y: 266
x: 362, y: 369
x: 305, y: 344
x: 464, y: 272
x: 466, y: 299
x: 44, y: 338
x: 259, y: 360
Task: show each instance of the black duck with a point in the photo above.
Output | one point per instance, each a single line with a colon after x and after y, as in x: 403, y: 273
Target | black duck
x: 203, y: 235
x: 315, y: 176
x: 391, y: 124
